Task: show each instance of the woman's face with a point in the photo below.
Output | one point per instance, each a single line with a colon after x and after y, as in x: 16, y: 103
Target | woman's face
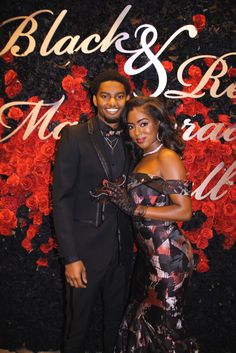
x: 143, y: 129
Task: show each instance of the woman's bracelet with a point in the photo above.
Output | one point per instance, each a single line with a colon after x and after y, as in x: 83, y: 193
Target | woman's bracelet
x: 140, y: 211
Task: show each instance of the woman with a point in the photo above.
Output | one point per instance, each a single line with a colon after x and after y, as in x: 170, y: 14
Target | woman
x: 158, y: 196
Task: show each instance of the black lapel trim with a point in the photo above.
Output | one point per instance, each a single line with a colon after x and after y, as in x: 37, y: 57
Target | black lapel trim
x: 127, y: 160
x: 97, y: 148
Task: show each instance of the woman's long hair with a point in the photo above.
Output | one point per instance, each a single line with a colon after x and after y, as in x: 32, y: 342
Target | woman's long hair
x: 169, y: 133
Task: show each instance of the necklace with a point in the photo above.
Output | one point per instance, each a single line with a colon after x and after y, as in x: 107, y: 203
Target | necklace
x: 153, y: 151
x: 114, y: 138
x: 111, y: 143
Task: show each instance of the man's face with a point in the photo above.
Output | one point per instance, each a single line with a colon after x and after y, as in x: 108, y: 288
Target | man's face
x: 110, y: 102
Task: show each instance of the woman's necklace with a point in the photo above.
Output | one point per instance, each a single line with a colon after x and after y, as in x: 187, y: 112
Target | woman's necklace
x: 153, y: 151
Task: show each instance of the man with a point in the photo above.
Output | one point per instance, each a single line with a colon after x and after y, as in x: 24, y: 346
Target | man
x: 95, y: 240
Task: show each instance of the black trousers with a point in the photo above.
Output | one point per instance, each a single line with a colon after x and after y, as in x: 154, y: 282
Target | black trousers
x: 112, y: 284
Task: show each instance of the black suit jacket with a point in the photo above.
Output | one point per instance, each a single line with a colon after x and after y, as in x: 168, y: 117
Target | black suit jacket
x: 79, y: 168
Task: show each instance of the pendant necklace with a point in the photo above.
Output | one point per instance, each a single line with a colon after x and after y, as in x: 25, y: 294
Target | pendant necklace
x: 111, y: 143
x: 153, y: 151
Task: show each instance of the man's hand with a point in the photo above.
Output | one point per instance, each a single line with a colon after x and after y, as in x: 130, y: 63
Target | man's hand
x: 76, y: 274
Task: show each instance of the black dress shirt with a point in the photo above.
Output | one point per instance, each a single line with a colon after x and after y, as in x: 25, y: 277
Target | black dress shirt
x: 116, y: 155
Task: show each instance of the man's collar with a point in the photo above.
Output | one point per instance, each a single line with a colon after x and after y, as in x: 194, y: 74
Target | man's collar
x: 107, y: 130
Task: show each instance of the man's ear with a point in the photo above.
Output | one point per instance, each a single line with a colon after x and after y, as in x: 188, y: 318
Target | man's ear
x: 128, y: 98
x: 95, y: 100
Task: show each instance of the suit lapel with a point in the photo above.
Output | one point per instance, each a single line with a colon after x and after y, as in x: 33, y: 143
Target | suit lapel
x: 97, y: 142
x: 127, y: 160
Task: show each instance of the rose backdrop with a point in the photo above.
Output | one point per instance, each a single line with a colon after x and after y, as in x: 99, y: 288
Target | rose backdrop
x: 29, y: 262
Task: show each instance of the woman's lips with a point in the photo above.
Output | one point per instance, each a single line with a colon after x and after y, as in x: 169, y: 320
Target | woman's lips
x: 140, y: 140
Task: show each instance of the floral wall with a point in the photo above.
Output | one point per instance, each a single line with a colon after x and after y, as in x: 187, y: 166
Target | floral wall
x: 46, y: 88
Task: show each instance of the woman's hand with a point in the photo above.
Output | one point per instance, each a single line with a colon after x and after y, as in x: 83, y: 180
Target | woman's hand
x: 119, y: 196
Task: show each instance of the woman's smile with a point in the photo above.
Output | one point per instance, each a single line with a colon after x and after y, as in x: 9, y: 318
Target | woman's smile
x: 143, y: 129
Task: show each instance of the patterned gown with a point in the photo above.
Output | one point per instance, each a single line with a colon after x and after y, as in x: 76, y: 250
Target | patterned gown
x: 153, y: 322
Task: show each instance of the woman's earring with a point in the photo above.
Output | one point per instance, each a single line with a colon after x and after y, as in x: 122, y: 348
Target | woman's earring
x: 158, y: 138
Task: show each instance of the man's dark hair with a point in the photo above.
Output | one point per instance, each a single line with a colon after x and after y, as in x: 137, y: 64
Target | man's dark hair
x: 109, y: 75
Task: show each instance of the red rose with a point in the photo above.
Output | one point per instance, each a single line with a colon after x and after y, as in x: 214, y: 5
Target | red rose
x: 32, y: 202
x: 189, y: 106
x: 199, y: 22
x: 29, y: 149
x: 27, y: 182
x: 48, y: 148
x: 202, y: 264
x: 67, y: 109
x: 156, y: 48
x: 191, y: 83
x: 4, y: 189
x: 226, y: 150
x: 27, y: 245
x: 5, y: 230
x: 232, y: 72
x: 79, y: 71
x: 195, y: 72
x: 7, y: 57
x: 80, y: 95
x: 24, y: 166
x: 85, y: 107
x: 196, y: 204
x: 13, y: 89
x: 41, y: 169
x: 43, y: 203
x: 232, y: 192
x: 8, y: 218
x: 15, y: 113
x: 5, y: 168
x: 189, y: 156
x: 8, y: 202
x: 33, y: 99
x: 68, y: 83
x: 77, y: 84
x: 226, y: 226
x: 229, y: 241
x: 9, y: 77
x: 46, y: 248
x: 229, y: 209
x: 206, y: 233
x: 42, y: 262
x: 210, y: 61
x: 208, y: 208
x: 202, y: 242
x: 200, y: 174
x: 37, y: 219
x: 32, y: 231
x: 13, y: 180
x: 223, y: 118
x: 167, y: 65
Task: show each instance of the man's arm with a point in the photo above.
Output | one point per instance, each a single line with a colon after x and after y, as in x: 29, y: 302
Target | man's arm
x: 64, y: 187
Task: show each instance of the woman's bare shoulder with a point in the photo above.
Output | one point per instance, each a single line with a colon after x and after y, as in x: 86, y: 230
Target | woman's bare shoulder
x: 171, y: 164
